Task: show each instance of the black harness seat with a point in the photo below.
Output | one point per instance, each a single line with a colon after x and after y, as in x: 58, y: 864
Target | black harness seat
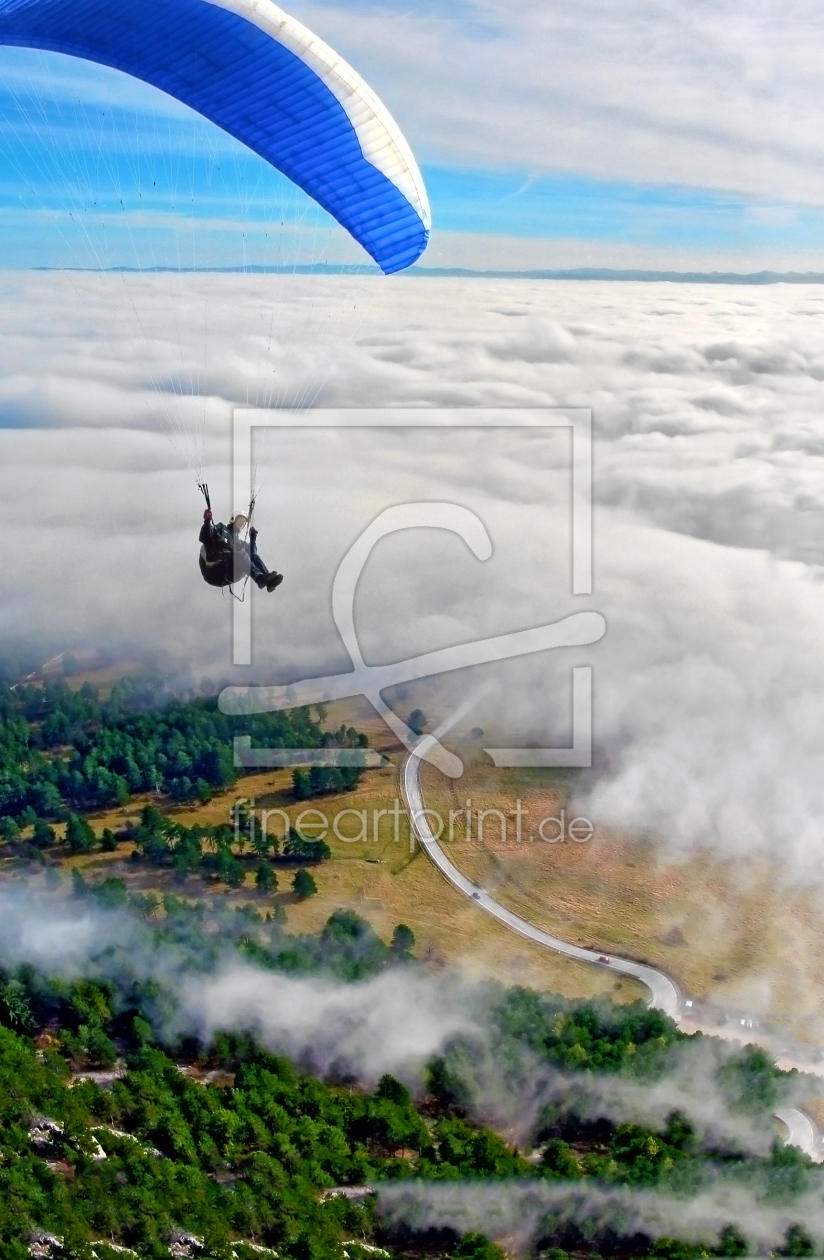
x: 219, y: 571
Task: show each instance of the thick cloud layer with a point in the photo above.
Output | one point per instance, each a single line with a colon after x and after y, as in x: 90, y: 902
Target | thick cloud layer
x: 708, y: 522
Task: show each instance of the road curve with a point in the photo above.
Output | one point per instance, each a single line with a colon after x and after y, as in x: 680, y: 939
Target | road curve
x: 801, y: 1132
x: 663, y: 993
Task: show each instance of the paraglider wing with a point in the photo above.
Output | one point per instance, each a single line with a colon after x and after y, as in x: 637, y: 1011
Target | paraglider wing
x: 266, y: 80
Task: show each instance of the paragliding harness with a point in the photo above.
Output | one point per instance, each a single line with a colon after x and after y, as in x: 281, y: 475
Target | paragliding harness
x: 219, y: 568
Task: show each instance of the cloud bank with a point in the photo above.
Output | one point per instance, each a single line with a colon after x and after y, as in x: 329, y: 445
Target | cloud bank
x: 708, y: 520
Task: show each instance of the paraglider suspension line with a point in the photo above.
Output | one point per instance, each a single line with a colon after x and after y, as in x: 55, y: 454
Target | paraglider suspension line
x: 241, y: 598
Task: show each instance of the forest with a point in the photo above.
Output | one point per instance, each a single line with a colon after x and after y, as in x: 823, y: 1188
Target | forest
x: 65, y: 750
x: 235, y: 1147
x: 120, y: 1134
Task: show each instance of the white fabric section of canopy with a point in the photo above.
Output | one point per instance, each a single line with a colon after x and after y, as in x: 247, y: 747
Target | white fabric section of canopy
x: 381, y: 140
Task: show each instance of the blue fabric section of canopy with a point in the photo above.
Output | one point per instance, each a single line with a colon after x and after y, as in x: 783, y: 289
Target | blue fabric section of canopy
x: 251, y: 86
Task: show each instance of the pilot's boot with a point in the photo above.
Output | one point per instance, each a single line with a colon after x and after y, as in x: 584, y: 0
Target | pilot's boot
x: 274, y: 580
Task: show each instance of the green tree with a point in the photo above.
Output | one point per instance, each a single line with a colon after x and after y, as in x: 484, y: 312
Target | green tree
x: 9, y: 830
x: 393, y: 1090
x: 235, y: 873
x: 417, y: 721
x: 675, y: 1249
x: 296, y: 846
x: 301, y: 789
x: 303, y: 885
x: 262, y: 843
x: 335, y: 781
x: 643, y: 1156
x: 15, y: 1011
x: 474, y: 1246
x: 266, y: 881
x: 79, y: 835
x: 403, y: 940
x: 797, y: 1242
x: 351, y: 776
x: 111, y: 893
x: 97, y: 1046
x: 731, y: 1242
x: 558, y: 1160
x: 120, y: 790
x: 46, y: 799
x: 749, y: 1080
x: 43, y: 835
x: 152, y: 819
x: 218, y: 767
x: 680, y: 1132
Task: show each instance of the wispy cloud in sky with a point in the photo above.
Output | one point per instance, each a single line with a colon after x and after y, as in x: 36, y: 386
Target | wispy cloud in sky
x: 638, y: 136
x: 714, y: 96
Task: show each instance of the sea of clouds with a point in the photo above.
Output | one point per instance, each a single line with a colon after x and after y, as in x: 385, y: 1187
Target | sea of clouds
x: 709, y: 684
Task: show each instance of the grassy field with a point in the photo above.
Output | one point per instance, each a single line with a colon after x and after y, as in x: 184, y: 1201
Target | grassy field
x: 725, y: 931
x: 732, y: 933
x: 381, y: 878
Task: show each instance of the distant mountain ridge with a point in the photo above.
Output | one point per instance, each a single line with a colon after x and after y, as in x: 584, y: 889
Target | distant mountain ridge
x: 578, y: 273
x: 608, y: 273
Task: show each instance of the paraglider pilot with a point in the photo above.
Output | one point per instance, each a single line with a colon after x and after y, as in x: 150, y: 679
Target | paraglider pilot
x: 225, y: 556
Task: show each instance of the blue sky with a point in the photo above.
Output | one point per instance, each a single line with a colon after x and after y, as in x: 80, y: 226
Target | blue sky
x: 566, y: 206
x: 527, y: 164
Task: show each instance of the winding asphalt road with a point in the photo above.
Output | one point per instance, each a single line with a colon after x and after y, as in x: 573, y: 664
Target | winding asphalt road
x: 801, y: 1131
x: 664, y: 994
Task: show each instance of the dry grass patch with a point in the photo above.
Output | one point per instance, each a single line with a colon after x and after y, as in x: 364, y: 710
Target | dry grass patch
x: 381, y: 878
x: 733, y: 934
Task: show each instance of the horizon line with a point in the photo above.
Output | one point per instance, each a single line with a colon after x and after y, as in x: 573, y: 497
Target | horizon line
x: 570, y: 273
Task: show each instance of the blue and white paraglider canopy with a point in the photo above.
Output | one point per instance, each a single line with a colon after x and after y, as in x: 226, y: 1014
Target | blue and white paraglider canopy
x: 266, y: 80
